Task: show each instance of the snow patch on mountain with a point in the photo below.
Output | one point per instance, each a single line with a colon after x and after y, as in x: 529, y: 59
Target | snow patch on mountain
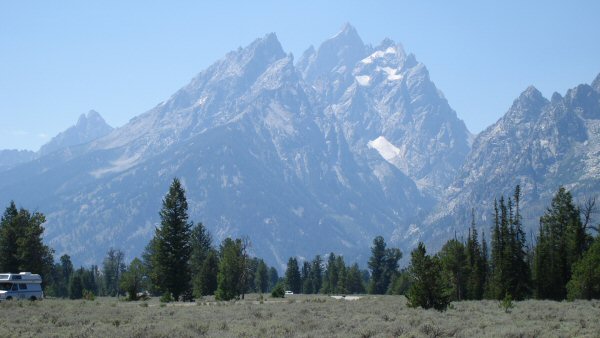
x: 385, y: 148
x: 363, y: 80
x: 378, y: 54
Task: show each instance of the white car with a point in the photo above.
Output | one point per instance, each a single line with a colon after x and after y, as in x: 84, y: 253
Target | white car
x: 289, y: 292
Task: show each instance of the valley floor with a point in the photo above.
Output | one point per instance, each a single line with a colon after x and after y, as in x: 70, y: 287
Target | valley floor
x: 296, y: 316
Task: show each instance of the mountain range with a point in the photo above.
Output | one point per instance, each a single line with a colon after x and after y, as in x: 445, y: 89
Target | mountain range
x: 305, y: 157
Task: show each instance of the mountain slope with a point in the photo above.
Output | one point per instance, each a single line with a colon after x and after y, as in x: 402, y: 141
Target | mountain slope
x: 260, y: 152
x: 539, y: 144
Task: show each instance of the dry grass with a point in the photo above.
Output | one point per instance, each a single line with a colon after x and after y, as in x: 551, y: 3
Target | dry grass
x: 296, y: 316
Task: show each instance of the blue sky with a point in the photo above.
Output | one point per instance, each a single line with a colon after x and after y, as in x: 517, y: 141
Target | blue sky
x: 59, y: 59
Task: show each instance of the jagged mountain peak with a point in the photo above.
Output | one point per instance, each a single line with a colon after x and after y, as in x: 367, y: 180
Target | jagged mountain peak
x: 527, y: 106
x: 337, y: 54
x: 531, y: 93
x: 348, y: 32
x: 247, y: 61
x: 89, y: 127
x: 92, y: 117
x: 269, y: 43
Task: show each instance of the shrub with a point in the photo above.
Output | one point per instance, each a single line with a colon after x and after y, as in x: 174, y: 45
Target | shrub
x: 507, y: 303
x: 278, y: 291
x: 166, y: 298
x: 88, y: 295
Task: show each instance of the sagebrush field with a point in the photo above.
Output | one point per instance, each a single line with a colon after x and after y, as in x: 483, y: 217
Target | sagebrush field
x: 296, y: 316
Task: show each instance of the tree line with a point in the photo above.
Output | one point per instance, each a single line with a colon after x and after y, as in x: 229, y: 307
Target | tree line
x: 562, y: 263
x: 181, y: 262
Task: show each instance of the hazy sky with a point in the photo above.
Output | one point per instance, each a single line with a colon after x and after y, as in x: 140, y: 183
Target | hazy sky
x: 59, y: 59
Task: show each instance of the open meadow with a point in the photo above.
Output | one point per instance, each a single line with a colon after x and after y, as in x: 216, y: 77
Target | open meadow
x: 296, y: 316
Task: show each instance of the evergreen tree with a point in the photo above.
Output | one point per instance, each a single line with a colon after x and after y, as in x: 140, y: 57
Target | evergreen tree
x: 341, y: 276
x: 485, y: 265
x: 400, y: 283
x: 21, y: 244
x: 330, y: 279
x: 273, y: 278
x: 509, y: 273
x: 172, y: 244
x: 383, y: 265
x: 476, y: 264
x: 377, y: 267
x: 89, y: 279
x: 426, y: 290
x: 585, y: 279
x: 520, y: 271
x: 64, y: 273
x: 33, y: 255
x: 262, y: 277
x: 292, y: 276
x: 561, y: 242
x: 206, y: 280
x: 306, y: 276
x: 201, y: 246
x: 76, y: 287
x: 9, y: 232
x: 354, y: 283
x: 229, y: 279
x: 316, y: 274
x: 454, y: 266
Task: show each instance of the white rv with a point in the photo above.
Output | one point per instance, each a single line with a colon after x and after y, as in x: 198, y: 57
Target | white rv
x: 24, y: 285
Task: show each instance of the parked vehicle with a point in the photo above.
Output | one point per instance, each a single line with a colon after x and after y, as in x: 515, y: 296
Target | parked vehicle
x: 289, y: 292
x: 24, y: 285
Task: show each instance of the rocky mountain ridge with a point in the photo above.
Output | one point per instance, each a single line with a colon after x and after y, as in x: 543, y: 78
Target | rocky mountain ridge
x: 539, y: 144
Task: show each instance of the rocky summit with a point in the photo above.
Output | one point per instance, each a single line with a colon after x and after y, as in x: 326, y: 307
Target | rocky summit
x: 304, y: 157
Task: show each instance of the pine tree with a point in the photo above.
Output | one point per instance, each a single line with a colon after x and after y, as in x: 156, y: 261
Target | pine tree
x: 201, y: 246
x: 306, y: 275
x: 427, y: 289
x: 383, y: 265
x: 273, y: 277
x: 292, y: 276
x: 561, y: 242
x: 341, y: 287
x: 330, y: 279
x: 354, y: 283
x: 206, y: 280
x: 316, y: 272
x: 173, y: 250
x: 475, y: 264
x: 65, y: 272
x: 521, y: 273
x: 377, y: 267
x: 21, y: 242
x: 76, y: 287
x: 585, y: 279
x: 230, y: 276
x: 262, y: 277
x: 454, y: 266
x: 9, y: 261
